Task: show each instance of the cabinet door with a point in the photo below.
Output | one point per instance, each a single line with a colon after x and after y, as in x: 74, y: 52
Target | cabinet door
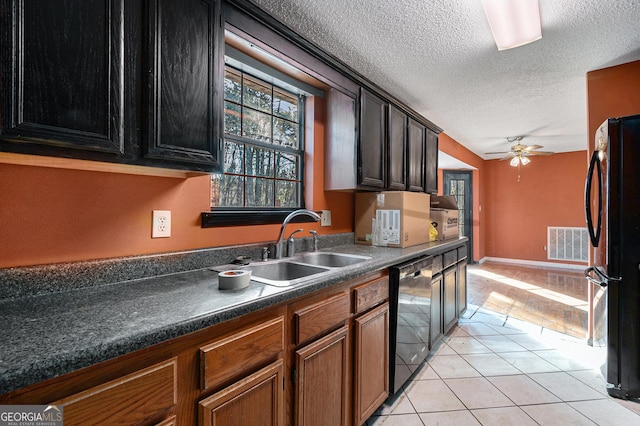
x: 415, y: 162
x: 462, y: 287
x: 431, y: 163
x: 397, y: 176
x: 436, y: 310
x: 371, y: 369
x: 255, y: 400
x: 371, y: 149
x: 449, y: 310
x: 184, y: 60
x: 341, y: 141
x: 62, y: 77
x: 321, y: 392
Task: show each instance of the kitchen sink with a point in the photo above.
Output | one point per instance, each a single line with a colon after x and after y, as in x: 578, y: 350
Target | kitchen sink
x: 295, y: 270
x: 330, y: 260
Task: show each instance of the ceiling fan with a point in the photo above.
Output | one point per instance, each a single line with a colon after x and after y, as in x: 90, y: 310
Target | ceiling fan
x: 519, y: 152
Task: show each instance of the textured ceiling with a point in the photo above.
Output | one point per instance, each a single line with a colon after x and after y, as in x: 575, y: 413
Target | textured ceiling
x: 440, y: 59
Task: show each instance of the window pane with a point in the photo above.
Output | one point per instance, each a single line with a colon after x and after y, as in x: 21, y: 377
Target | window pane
x: 232, y: 121
x: 259, y: 192
x: 232, y: 85
x: 287, y: 166
x: 287, y: 194
x: 257, y: 94
x: 285, y: 133
x: 256, y: 125
x: 259, y: 162
x: 285, y: 105
x: 233, y: 158
x: 226, y: 191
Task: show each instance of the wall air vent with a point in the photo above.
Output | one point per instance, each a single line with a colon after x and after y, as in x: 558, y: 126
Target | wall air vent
x: 567, y: 244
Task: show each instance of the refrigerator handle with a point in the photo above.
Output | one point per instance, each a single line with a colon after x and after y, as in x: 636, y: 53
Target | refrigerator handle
x: 594, y: 232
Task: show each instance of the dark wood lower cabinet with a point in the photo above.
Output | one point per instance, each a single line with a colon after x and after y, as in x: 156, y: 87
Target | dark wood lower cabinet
x: 449, y: 309
x: 321, y: 389
x: 462, y: 287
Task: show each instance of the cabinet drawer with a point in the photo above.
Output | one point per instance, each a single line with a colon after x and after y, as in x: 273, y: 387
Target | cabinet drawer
x: 462, y: 252
x: 370, y: 294
x: 436, y: 266
x: 449, y: 258
x: 134, y: 399
x: 226, y: 358
x: 320, y: 317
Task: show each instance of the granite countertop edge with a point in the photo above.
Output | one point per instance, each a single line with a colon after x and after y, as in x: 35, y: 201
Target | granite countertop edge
x: 21, y: 367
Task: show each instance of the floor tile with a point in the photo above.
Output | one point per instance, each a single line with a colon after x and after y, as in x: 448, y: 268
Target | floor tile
x: 532, y: 343
x: 478, y: 392
x: 488, y: 318
x: 478, y: 329
x: 592, y: 378
x: 564, y: 360
x: 504, y: 416
x: 467, y: 345
x: 449, y: 418
x: 399, y: 404
x: 528, y: 362
x: 490, y: 365
x: 452, y: 367
x: 426, y: 373
x: 523, y: 326
x: 442, y: 349
x: 523, y: 390
x: 556, y: 414
x: 606, y: 412
x: 395, y: 420
x: 565, y: 387
x: 432, y: 395
x: 500, y: 343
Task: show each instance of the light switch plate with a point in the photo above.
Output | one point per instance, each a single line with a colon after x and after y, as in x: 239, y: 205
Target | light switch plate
x: 161, y: 224
x: 325, y: 218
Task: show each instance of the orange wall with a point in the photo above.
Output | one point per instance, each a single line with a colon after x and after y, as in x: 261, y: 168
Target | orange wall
x: 550, y: 193
x: 50, y: 215
x: 612, y: 92
x: 450, y: 146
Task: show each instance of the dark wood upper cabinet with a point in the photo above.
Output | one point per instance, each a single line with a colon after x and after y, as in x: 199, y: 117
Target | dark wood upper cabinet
x: 372, y: 146
x: 397, y: 176
x: 416, y: 156
x: 431, y: 163
x: 184, y: 108
x: 80, y: 80
x: 62, y: 76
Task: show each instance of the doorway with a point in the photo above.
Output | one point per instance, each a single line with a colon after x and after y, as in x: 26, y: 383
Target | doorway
x: 459, y: 184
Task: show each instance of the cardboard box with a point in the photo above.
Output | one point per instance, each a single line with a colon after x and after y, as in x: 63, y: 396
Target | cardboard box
x: 444, y: 216
x: 392, y: 218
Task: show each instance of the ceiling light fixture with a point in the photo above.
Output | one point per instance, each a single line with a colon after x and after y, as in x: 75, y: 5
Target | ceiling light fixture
x: 513, y: 23
x: 519, y: 159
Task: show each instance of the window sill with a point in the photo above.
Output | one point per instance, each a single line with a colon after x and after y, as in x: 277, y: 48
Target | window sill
x: 242, y: 217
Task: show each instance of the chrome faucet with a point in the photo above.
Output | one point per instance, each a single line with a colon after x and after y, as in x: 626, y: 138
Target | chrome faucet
x: 279, y: 242
x: 291, y: 243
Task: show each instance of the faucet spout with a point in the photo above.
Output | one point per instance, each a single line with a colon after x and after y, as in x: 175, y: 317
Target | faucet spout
x: 279, y: 242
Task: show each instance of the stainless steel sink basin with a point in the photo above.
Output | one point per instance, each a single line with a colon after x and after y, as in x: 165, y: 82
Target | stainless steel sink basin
x: 298, y: 269
x: 283, y: 273
x: 330, y: 260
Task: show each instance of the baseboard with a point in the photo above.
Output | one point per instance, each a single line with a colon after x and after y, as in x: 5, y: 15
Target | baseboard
x: 533, y: 263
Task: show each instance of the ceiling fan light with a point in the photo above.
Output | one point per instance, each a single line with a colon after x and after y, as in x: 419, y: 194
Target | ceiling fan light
x: 525, y: 161
x: 514, y: 161
x: 513, y: 23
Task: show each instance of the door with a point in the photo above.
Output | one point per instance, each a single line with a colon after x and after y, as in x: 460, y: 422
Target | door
x: 459, y: 184
x: 416, y: 133
x: 371, y: 149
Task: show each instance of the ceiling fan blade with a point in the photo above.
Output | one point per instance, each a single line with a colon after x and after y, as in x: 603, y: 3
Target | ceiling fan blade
x: 533, y: 147
x: 507, y: 157
x: 540, y: 153
x: 496, y: 153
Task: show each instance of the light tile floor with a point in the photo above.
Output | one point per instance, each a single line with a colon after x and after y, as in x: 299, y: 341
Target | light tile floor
x: 493, y: 369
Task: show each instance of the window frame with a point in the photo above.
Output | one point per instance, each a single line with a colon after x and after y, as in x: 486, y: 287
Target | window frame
x: 237, y: 216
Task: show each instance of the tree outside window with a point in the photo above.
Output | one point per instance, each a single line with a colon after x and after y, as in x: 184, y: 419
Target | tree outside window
x: 263, y: 147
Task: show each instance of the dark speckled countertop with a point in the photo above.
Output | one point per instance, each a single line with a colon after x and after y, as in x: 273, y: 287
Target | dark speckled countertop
x: 53, y: 333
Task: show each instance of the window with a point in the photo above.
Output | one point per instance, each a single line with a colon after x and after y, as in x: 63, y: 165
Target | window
x: 263, y: 147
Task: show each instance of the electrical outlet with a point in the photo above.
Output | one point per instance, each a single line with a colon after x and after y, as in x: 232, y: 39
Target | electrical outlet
x: 325, y: 218
x: 161, y: 224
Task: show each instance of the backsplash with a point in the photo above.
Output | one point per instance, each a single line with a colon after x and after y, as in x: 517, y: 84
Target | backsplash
x: 43, y: 279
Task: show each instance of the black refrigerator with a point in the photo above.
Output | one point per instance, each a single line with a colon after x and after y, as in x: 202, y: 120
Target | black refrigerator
x: 612, y: 204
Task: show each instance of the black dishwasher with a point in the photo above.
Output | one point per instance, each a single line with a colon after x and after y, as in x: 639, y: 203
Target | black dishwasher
x: 409, y: 324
